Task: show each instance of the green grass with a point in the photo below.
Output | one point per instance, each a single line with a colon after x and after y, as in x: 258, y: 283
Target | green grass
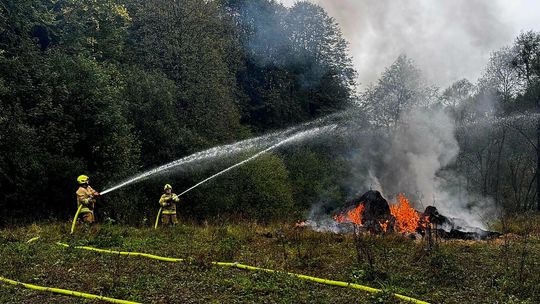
x: 505, y: 270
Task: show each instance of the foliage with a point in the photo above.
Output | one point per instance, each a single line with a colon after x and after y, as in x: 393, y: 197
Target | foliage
x: 111, y: 87
x: 264, y: 193
x: 399, y: 89
x: 296, y: 67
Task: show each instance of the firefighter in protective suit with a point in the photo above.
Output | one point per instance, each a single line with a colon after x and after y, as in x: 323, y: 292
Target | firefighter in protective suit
x: 86, y: 196
x: 168, y: 202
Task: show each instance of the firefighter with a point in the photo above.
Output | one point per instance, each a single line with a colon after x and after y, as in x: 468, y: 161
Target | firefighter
x: 168, y: 203
x: 86, y: 196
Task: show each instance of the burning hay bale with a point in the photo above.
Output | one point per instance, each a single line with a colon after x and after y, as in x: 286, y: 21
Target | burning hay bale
x: 371, y: 212
x: 454, y: 228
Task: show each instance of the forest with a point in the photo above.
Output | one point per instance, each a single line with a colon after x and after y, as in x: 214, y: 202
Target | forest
x: 114, y: 87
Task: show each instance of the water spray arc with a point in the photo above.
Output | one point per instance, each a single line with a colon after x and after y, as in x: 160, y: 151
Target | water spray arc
x: 281, y: 137
x: 296, y: 137
x: 290, y: 139
x: 211, y: 153
x: 230, y: 149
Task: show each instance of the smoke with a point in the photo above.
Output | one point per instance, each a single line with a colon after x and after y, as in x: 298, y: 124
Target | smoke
x: 417, y: 162
x: 449, y: 40
x: 414, y: 158
x: 423, y: 144
x: 300, y: 39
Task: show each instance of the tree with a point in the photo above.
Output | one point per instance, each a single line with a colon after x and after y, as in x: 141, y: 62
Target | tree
x: 260, y: 28
x: 527, y: 62
x: 150, y: 107
x: 316, y: 36
x: 26, y: 151
x: 296, y: 65
x: 94, y: 28
x: 399, y: 89
x: 195, y: 58
x: 264, y: 194
x: 527, y: 55
x: 502, y: 76
x: 319, y: 55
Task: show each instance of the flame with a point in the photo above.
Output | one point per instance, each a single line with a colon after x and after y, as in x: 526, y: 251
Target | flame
x: 384, y: 225
x: 407, y: 218
x: 352, y: 216
x: 425, y: 223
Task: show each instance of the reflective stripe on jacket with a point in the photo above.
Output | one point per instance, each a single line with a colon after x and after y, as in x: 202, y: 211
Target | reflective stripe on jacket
x: 168, y: 203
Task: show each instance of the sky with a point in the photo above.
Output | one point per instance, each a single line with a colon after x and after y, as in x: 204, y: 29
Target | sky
x: 447, y: 39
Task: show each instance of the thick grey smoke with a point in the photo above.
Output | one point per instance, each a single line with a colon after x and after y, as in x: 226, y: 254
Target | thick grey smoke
x: 416, y: 162
x: 449, y: 39
x: 407, y: 158
x: 415, y: 159
x: 423, y: 144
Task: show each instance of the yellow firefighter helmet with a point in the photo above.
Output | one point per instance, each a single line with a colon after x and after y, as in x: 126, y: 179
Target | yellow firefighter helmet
x: 82, y: 179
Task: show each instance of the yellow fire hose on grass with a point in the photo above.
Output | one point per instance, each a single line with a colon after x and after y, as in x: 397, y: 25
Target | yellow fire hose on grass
x: 129, y: 253
x: 66, y: 292
x: 247, y: 267
x: 157, y: 217
x: 75, y: 218
x: 33, y: 239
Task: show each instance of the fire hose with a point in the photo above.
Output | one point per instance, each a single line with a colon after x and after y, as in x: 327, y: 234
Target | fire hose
x: 79, y: 211
x: 66, y: 292
x: 248, y: 267
x: 77, y: 215
x: 157, y: 217
x: 75, y: 218
x: 33, y: 239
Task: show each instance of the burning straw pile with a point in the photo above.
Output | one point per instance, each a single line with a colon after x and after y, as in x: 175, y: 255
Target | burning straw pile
x: 372, y: 213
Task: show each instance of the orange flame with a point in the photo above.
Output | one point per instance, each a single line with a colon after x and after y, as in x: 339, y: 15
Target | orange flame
x: 352, y: 216
x: 425, y: 223
x: 384, y: 225
x: 407, y: 218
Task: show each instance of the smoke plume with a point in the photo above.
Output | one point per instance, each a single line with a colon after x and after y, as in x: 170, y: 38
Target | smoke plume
x: 415, y: 159
x: 449, y: 40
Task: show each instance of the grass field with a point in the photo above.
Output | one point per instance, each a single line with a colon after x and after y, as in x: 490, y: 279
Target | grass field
x: 505, y: 270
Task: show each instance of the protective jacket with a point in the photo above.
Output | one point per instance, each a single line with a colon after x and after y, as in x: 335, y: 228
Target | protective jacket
x: 168, y: 203
x: 85, y: 197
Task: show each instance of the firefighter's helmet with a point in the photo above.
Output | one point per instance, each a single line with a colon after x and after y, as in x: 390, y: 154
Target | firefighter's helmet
x: 82, y: 179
